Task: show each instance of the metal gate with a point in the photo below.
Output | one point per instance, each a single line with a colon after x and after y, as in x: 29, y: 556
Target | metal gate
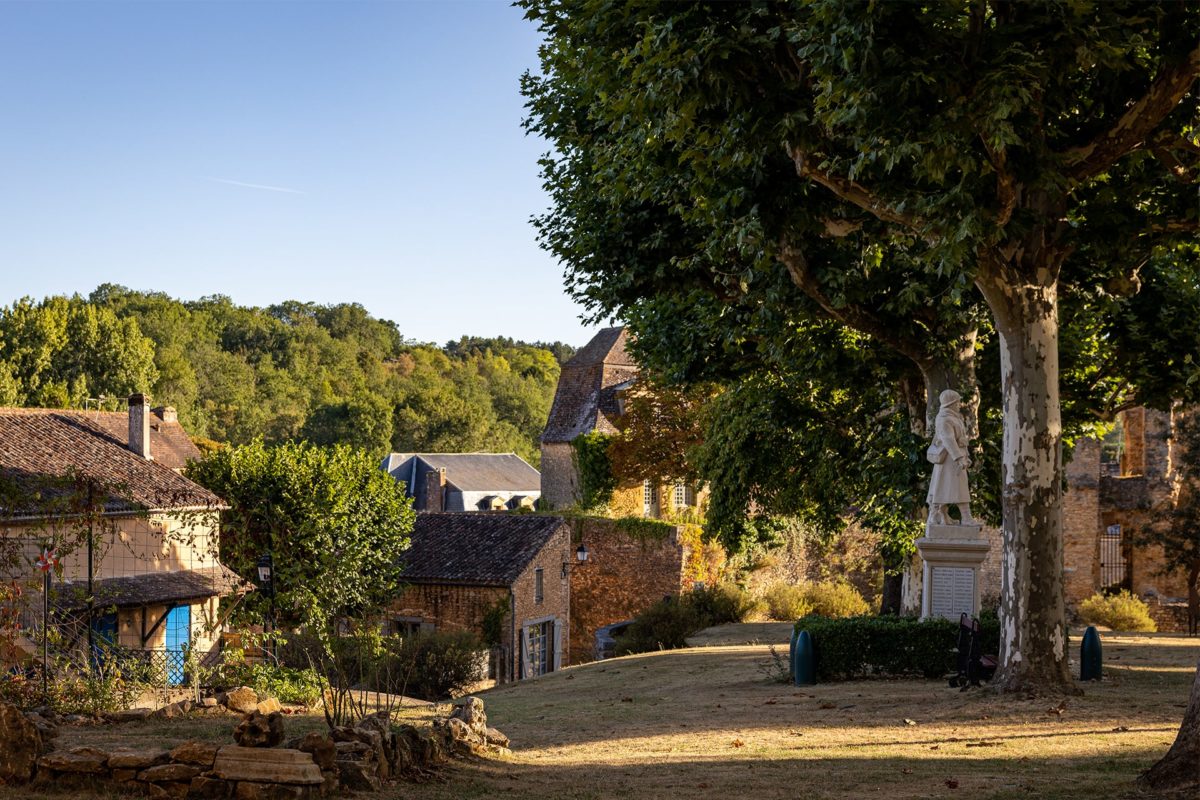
x: 1114, y: 565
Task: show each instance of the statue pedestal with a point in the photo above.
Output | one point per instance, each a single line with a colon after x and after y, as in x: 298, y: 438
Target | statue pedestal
x: 950, y: 580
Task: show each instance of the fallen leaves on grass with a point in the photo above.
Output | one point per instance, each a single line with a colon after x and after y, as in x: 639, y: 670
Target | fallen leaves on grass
x: 737, y: 743
x: 1058, y: 709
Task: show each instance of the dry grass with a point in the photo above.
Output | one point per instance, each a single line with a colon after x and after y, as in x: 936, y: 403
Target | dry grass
x: 707, y: 722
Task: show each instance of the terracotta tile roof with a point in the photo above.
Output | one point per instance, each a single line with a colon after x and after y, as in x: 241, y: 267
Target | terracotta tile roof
x: 585, y: 399
x: 152, y: 588
x: 39, y: 445
x: 487, y: 549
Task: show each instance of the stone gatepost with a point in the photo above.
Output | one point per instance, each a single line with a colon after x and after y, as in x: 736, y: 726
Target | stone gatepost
x: 952, y: 555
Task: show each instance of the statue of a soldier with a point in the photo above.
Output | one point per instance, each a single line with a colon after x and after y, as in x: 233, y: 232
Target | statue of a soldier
x: 948, y: 454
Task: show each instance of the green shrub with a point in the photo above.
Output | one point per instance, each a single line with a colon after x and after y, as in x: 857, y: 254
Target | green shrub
x: 286, y: 684
x: 787, y: 601
x: 1121, y: 612
x: 663, y: 626
x: 667, y: 624
x: 437, y: 665
x: 858, y: 647
x: 721, y: 603
x: 836, y: 599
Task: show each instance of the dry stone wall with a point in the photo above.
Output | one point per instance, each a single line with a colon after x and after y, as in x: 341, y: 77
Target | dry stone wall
x: 350, y: 758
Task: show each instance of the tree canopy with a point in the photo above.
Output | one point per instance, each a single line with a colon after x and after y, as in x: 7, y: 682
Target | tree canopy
x: 322, y: 373
x: 915, y: 171
x: 333, y: 522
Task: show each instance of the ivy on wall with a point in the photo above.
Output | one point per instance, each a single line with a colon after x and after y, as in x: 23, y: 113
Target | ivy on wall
x: 594, y: 467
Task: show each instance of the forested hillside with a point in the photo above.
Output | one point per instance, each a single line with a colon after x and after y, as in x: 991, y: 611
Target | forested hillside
x: 290, y: 371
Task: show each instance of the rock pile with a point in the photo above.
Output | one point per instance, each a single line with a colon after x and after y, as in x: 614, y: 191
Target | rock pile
x: 468, y: 731
x: 357, y: 757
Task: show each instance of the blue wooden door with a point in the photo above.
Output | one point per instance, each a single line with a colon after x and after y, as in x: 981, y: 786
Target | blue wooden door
x: 104, y: 636
x: 179, y: 635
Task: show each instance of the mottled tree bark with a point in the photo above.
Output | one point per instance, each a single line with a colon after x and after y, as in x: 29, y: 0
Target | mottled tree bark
x: 1179, y: 769
x: 1033, y: 623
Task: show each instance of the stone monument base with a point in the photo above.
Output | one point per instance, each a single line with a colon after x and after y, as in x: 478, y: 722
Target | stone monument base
x: 952, y: 555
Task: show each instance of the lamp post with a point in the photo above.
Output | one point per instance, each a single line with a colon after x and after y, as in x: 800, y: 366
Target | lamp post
x: 46, y: 563
x: 266, y: 583
x: 581, y: 553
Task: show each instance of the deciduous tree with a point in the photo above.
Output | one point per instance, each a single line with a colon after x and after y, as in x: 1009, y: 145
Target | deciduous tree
x: 1021, y: 149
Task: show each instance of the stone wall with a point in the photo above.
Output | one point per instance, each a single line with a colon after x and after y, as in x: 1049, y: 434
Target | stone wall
x: 1082, y: 522
x: 623, y: 575
x: 349, y: 758
x: 1169, y: 617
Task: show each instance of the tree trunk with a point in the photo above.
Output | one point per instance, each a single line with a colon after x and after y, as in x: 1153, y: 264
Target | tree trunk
x: 1033, y: 624
x: 955, y: 371
x: 891, y: 600
x: 1193, y: 587
x: 1180, y: 768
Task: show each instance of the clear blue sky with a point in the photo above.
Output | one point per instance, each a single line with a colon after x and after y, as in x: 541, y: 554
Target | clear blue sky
x: 364, y: 152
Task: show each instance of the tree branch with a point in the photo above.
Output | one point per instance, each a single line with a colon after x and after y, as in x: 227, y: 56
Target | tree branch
x: 851, y: 192
x: 1130, y: 131
x: 851, y: 315
x: 1006, y: 185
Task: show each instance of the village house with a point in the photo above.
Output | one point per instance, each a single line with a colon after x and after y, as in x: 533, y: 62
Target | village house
x: 592, y: 391
x: 156, y: 576
x: 466, y: 481
x: 503, y: 577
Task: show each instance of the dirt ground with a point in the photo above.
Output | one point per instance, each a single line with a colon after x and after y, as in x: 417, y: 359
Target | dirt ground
x: 709, y: 721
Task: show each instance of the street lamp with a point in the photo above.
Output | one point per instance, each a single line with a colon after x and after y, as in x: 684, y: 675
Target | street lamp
x: 581, y: 553
x: 266, y: 582
x: 265, y: 566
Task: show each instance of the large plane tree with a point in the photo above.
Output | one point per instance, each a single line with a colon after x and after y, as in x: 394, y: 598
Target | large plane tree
x: 1018, y: 150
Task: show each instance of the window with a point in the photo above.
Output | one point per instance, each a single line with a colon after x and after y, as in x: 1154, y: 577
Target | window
x: 404, y: 626
x: 684, y: 496
x: 539, y: 647
x: 538, y: 586
x: 649, y: 499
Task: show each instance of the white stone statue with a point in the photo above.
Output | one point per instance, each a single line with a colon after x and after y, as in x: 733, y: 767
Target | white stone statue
x: 948, y: 454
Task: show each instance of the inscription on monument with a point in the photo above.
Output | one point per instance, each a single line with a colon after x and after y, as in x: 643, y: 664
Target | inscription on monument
x: 952, y: 592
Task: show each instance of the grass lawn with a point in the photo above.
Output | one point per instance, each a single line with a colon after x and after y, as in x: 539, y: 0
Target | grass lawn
x: 707, y: 722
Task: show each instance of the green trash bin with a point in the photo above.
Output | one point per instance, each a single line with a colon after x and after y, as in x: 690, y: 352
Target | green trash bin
x: 1091, y: 659
x: 804, y: 671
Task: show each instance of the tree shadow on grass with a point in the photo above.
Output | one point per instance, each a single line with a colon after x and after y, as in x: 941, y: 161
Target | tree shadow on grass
x: 750, y: 776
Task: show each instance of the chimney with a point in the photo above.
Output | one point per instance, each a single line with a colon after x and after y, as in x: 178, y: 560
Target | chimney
x: 139, y: 425
x: 166, y: 413
x: 435, y: 490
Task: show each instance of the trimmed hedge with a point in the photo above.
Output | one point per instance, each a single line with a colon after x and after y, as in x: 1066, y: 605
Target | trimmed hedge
x: 859, y: 647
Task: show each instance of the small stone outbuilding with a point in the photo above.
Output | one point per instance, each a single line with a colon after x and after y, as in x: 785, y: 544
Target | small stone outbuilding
x: 505, y: 577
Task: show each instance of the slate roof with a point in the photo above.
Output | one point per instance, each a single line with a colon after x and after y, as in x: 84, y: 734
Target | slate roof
x: 586, y: 397
x: 483, y: 549
x: 153, y: 588
x: 38, y: 445
x: 498, y: 473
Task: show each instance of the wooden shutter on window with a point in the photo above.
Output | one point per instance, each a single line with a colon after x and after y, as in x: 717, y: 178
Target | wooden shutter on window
x: 526, y: 666
x: 557, y: 645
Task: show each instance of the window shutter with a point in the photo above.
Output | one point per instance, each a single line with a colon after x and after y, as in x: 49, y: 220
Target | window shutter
x: 526, y: 667
x: 557, y: 645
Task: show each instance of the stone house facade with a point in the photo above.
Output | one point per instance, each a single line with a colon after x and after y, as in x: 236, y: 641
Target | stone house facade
x: 505, y: 577
x: 590, y: 397
x: 156, y: 574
